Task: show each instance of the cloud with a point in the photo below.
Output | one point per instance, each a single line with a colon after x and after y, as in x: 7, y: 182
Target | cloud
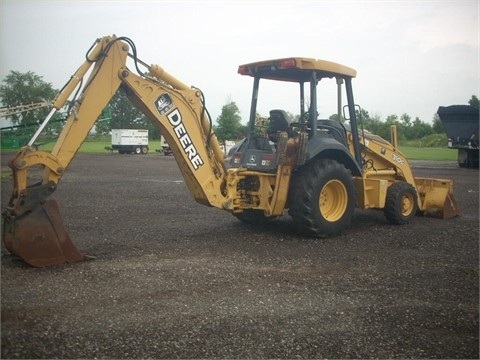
x: 411, y: 56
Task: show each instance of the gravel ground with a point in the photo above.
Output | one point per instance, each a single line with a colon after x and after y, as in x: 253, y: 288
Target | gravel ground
x: 174, y: 279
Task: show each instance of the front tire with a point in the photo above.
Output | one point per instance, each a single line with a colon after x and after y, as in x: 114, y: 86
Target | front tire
x: 322, y: 198
x: 401, y: 203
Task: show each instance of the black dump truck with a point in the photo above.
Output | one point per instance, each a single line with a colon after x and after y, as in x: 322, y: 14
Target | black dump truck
x: 461, y: 125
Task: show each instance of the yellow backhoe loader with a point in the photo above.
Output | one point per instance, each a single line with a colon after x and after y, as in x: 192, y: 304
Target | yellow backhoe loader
x: 317, y: 170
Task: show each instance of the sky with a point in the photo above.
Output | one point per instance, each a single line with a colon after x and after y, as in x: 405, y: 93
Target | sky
x: 411, y: 56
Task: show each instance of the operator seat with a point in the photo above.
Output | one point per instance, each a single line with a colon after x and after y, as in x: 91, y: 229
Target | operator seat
x: 279, y: 121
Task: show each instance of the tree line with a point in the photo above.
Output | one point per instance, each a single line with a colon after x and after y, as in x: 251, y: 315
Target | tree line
x: 19, y: 88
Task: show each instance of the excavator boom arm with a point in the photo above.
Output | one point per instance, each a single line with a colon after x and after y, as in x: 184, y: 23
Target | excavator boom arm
x: 176, y: 109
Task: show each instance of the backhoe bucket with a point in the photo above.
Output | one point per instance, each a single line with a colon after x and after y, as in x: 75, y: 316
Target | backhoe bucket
x: 437, y: 198
x: 40, y: 238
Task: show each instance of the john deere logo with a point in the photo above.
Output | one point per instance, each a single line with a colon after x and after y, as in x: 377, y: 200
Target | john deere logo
x: 164, y: 103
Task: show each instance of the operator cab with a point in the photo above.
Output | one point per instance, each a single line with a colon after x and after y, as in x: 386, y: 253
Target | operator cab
x: 301, y: 86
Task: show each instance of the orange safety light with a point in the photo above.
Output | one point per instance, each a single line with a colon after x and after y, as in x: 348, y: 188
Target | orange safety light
x: 288, y: 63
x: 243, y: 70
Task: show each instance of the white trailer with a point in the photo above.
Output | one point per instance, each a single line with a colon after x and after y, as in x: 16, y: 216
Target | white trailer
x: 130, y: 141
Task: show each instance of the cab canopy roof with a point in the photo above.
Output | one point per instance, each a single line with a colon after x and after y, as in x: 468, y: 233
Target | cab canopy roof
x: 295, y: 69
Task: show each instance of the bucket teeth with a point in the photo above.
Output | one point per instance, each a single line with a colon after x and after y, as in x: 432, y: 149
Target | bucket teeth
x: 40, y: 238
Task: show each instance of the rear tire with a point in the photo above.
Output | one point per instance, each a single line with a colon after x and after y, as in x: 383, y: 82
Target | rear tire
x: 401, y: 203
x: 138, y: 150
x: 322, y: 198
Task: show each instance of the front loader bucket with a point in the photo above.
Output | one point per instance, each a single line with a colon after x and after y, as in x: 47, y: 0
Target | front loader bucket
x: 40, y: 238
x: 437, y: 198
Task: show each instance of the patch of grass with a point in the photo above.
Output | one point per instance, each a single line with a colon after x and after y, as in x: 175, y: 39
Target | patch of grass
x: 411, y: 152
x: 429, y: 153
x: 98, y: 146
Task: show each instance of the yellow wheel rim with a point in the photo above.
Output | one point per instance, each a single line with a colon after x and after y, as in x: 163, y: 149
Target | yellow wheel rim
x: 407, y: 203
x: 333, y: 200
